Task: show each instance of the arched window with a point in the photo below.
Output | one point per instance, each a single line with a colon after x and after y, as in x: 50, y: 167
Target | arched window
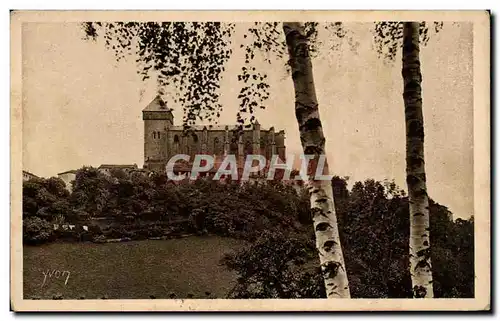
x: 158, y: 135
x: 248, y: 148
x: 195, y: 138
x: 233, y: 147
x: 217, y: 146
x: 175, y: 147
x: 263, y: 148
x: 154, y: 135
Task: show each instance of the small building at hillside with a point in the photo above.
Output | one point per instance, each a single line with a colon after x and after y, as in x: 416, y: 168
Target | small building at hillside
x: 27, y: 176
x: 67, y: 177
x: 109, y: 168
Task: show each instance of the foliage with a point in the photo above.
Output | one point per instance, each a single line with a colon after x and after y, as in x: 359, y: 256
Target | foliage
x: 90, y: 192
x: 231, y: 209
x: 189, y: 58
x: 388, y: 36
x: 275, y: 217
x: 36, y: 230
x: 142, y: 206
x: 374, y: 223
x: 274, y: 267
x: 45, y: 198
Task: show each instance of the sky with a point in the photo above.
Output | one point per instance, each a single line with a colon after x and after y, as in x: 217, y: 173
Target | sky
x: 81, y: 107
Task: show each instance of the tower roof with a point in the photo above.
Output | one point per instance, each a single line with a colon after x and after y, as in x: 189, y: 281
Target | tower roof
x: 157, y: 104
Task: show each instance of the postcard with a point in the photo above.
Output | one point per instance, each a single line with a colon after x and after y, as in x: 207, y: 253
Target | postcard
x: 250, y: 161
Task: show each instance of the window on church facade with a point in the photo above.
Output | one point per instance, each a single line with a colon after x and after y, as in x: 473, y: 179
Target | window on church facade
x: 233, y: 147
x: 217, y: 150
x: 263, y: 150
x: 248, y: 148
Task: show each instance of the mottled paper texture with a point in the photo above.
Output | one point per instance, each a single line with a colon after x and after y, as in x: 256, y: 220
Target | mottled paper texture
x: 73, y: 104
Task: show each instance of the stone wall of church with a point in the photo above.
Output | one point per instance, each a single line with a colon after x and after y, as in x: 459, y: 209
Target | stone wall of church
x: 155, y: 138
x: 216, y: 142
x: 162, y: 140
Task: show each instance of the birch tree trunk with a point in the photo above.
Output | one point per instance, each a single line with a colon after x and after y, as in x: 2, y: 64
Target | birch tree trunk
x: 420, y: 261
x: 313, y: 143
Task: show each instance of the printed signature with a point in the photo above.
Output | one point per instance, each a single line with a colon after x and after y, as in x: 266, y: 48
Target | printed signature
x: 55, y: 273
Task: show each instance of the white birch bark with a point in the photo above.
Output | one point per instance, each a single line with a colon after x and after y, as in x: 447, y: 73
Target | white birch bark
x: 420, y: 261
x: 313, y: 143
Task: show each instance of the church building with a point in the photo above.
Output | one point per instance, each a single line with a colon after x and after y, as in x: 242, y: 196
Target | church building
x: 162, y: 139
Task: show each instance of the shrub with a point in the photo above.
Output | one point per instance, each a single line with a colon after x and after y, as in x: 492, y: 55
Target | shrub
x: 113, y: 233
x: 94, y: 229
x: 151, y: 216
x: 66, y: 235
x: 37, y: 230
x: 155, y: 231
x: 274, y: 266
x: 86, y: 237
x: 374, y: 244
x: 117, y: 232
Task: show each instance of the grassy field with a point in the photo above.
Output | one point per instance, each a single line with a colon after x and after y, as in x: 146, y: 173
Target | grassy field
x: 130, y: 270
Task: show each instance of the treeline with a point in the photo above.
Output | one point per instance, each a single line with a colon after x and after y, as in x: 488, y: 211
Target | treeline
x: 138, y: 206
x: 374, y: 230
x: 281, y: 260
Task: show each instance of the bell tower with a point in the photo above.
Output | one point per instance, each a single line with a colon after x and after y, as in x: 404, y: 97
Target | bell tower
x: 158, y: 119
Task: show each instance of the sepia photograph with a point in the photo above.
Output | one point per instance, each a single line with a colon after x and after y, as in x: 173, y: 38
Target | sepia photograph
x: 250, y: 160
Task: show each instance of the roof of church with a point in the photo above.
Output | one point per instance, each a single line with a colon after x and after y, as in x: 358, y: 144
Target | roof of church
x: 207, y: 127
x: 218, y: 127
x: 118, y: 166
x: 28, y: 173
x: 157, y: 104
